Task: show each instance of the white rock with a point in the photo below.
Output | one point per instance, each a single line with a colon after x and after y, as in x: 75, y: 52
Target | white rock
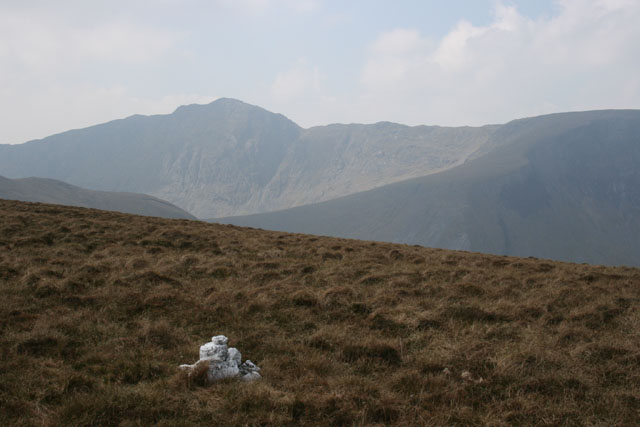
x: 220, y: 340
x: 221, y: 370
x: 235, y: 355
x: 215, y: 350
x: 224, y: 362
x: 249, y: 371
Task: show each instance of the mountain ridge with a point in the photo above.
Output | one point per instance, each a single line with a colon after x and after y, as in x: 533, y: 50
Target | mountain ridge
x: 559, y: 186
x: 229, y: 157
x: 468, y: 188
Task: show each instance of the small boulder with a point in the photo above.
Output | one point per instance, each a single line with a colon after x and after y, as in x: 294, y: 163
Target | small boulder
x: 249, y: 371
x: 224, y: 362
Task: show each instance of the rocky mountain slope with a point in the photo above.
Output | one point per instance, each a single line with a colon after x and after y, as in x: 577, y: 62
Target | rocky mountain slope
x: 563, y: 186
x: 231, y: 158
x: 58, y: 192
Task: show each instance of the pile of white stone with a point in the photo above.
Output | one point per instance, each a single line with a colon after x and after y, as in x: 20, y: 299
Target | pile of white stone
x: 224, y: 362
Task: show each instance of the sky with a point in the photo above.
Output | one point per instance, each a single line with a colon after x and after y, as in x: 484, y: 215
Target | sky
x: 74, y: 63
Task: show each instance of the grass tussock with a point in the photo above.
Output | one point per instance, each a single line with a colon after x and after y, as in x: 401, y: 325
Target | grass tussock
x: 99, y: 309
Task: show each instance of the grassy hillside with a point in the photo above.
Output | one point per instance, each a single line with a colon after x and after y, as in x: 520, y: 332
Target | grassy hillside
x: 45, y: 190
x: 99, y: 308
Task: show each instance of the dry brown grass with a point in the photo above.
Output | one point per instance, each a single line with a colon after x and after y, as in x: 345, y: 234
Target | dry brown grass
x: 98, y: 309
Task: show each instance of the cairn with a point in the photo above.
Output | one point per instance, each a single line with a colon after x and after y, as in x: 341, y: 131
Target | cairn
x: 224, y: 362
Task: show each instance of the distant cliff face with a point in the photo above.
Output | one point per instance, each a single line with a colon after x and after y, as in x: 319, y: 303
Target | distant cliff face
x: 231, y: 158
x: 564, y: 186
x: 337, y: 160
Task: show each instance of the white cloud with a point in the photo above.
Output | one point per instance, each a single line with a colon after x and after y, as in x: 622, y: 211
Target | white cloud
x: 77, y: 63
x: 58, y: 108
x: 398, y: 42
x: 44, y: 83
x: 393, y: 54
x: 452, y: 53
x: 298, y: 81
x: 301, y: 93
x: 588, y: 56
x: 303, y: 6
x: 36, y: 42
x: 256, y: 7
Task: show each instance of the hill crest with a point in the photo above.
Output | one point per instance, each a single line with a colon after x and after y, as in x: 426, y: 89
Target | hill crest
x: 57, y: 192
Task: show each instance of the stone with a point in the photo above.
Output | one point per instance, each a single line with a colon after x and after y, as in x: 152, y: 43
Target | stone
x: 216, y: 349
x: 467, y: 376
x: 224, y: 362
x: 235, y: 355
x: 249, y: 371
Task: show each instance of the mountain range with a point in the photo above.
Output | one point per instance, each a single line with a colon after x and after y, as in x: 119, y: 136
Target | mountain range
x: 231, y: 158
x: 563, y: 186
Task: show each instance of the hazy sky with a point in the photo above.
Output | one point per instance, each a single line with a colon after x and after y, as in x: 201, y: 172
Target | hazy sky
x: 71, y: 64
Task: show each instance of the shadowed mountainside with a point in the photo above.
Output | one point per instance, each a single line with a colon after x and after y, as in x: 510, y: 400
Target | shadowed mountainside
x: 564, y: 186
x: 98, y: 309
x: 230, y: 158
x: 58, y: 192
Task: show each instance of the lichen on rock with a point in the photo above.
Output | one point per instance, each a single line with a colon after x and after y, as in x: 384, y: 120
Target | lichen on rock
x: 224, y: 362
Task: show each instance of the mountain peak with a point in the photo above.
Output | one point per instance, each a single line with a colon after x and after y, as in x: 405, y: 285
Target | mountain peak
x: 218, y: 104
x: 228, y: 101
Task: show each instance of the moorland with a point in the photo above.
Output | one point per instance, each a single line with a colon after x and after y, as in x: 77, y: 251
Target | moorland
x: 99, y: 308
